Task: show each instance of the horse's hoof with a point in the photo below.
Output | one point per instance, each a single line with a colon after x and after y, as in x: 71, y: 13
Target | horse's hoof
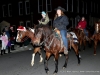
x: 41, y: 60
x: 94, y: 54
x: 63, y: 67
x: 32, y: 64
x: 78, y: 64
x: 80, y: 58
x: 54, y: 73
x: 60, y: 55
x: 83, y: 50
x: 54, y: 59
x: 47, y: 72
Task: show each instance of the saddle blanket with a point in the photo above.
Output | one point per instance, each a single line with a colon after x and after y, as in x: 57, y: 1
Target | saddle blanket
x: 75, y: 39
x: 73, y: 35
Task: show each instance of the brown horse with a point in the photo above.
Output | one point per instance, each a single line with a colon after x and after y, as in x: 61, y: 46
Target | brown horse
x: 82, y: 37
x: 29, y: 33
x: 53, y: 46
x: 96, y: 36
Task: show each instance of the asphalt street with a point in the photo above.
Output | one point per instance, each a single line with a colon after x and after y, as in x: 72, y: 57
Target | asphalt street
x: 19, y: 63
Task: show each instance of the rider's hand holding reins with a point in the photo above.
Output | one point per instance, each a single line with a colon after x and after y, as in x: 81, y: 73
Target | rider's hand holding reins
x: 57, y: 31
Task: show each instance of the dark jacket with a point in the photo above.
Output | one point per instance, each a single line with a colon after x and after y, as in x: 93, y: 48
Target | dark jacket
x: 61, y: 22
x: 12, y: 34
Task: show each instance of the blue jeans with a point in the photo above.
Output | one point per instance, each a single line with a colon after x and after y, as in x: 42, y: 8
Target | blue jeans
x: 64, y: 38
x: 86, y: 32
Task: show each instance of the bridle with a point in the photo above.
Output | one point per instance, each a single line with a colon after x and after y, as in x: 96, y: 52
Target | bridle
x: 20, y: 37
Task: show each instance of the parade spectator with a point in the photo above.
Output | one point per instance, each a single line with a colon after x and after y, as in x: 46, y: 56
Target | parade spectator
x: 4, y: 40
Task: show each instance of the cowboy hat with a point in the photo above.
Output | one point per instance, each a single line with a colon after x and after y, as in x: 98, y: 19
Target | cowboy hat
x: 60, y: 8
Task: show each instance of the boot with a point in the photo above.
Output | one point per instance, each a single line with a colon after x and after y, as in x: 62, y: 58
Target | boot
x: 65, y: 51
x: 9, y: 50
x: 12, y: 47
x: 4, y: 51
x: 1, y: 52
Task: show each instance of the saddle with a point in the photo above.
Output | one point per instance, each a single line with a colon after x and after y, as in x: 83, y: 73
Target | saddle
x: 70, y: 36
x: 57, y: 34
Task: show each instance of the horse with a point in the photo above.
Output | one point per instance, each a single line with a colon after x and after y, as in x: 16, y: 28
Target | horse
x: 29, y: 33
x: 53, y: 46
x: 82, y: 38
x: 96, y: 36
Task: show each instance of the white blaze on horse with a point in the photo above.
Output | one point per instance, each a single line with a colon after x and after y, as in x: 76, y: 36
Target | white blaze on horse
x: 21, y: 34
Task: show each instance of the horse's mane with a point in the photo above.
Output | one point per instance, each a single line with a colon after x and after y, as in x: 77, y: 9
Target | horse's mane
x: 46, y: 29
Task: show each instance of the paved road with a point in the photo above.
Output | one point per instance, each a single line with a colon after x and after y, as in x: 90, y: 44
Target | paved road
x: 18, y: 63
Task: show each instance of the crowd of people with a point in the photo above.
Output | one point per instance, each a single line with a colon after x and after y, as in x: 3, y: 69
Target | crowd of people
x: 60, y: 22
x: 7, y: 38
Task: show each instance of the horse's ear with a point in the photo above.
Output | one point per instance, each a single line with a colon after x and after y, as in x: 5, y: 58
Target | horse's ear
x: 24, y: 29
x: 35, y: 25
x: 29, y: 28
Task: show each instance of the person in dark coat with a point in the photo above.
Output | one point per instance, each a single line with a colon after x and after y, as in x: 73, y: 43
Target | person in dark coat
x: 6, y: 29
x: 61, y: 22
x: 9, y: 45
x: 12, y: 37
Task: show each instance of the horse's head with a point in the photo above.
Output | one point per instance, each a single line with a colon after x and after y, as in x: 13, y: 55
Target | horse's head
x: 20, y: 36
x: 97, y: 27
x: 41, y: 32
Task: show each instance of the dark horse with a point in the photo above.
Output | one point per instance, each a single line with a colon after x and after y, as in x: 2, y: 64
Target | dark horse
x: 53, y: 46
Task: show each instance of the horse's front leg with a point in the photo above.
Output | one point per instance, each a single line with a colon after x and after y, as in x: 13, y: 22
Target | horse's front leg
x: 75, y: 47
x: 66, y: 60
x: 95, y: 46
x: 46, y: 62
x: 37, y: 49
x: 80, y: 44
x: 56, y: 62
x: 84, y: 42
x: 40, y: 53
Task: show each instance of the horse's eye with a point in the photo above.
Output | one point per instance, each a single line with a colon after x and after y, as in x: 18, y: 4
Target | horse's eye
x: 20, y: 36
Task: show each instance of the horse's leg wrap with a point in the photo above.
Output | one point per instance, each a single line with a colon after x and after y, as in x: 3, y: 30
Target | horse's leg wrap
x: 46, y: 65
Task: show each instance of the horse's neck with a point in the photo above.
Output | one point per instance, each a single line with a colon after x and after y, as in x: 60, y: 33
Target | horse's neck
x: 30, y: 34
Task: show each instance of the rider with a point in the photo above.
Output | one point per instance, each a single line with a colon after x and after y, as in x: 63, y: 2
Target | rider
x: 82, y: 25
x: 60, y: 22
x: 45, y: 19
